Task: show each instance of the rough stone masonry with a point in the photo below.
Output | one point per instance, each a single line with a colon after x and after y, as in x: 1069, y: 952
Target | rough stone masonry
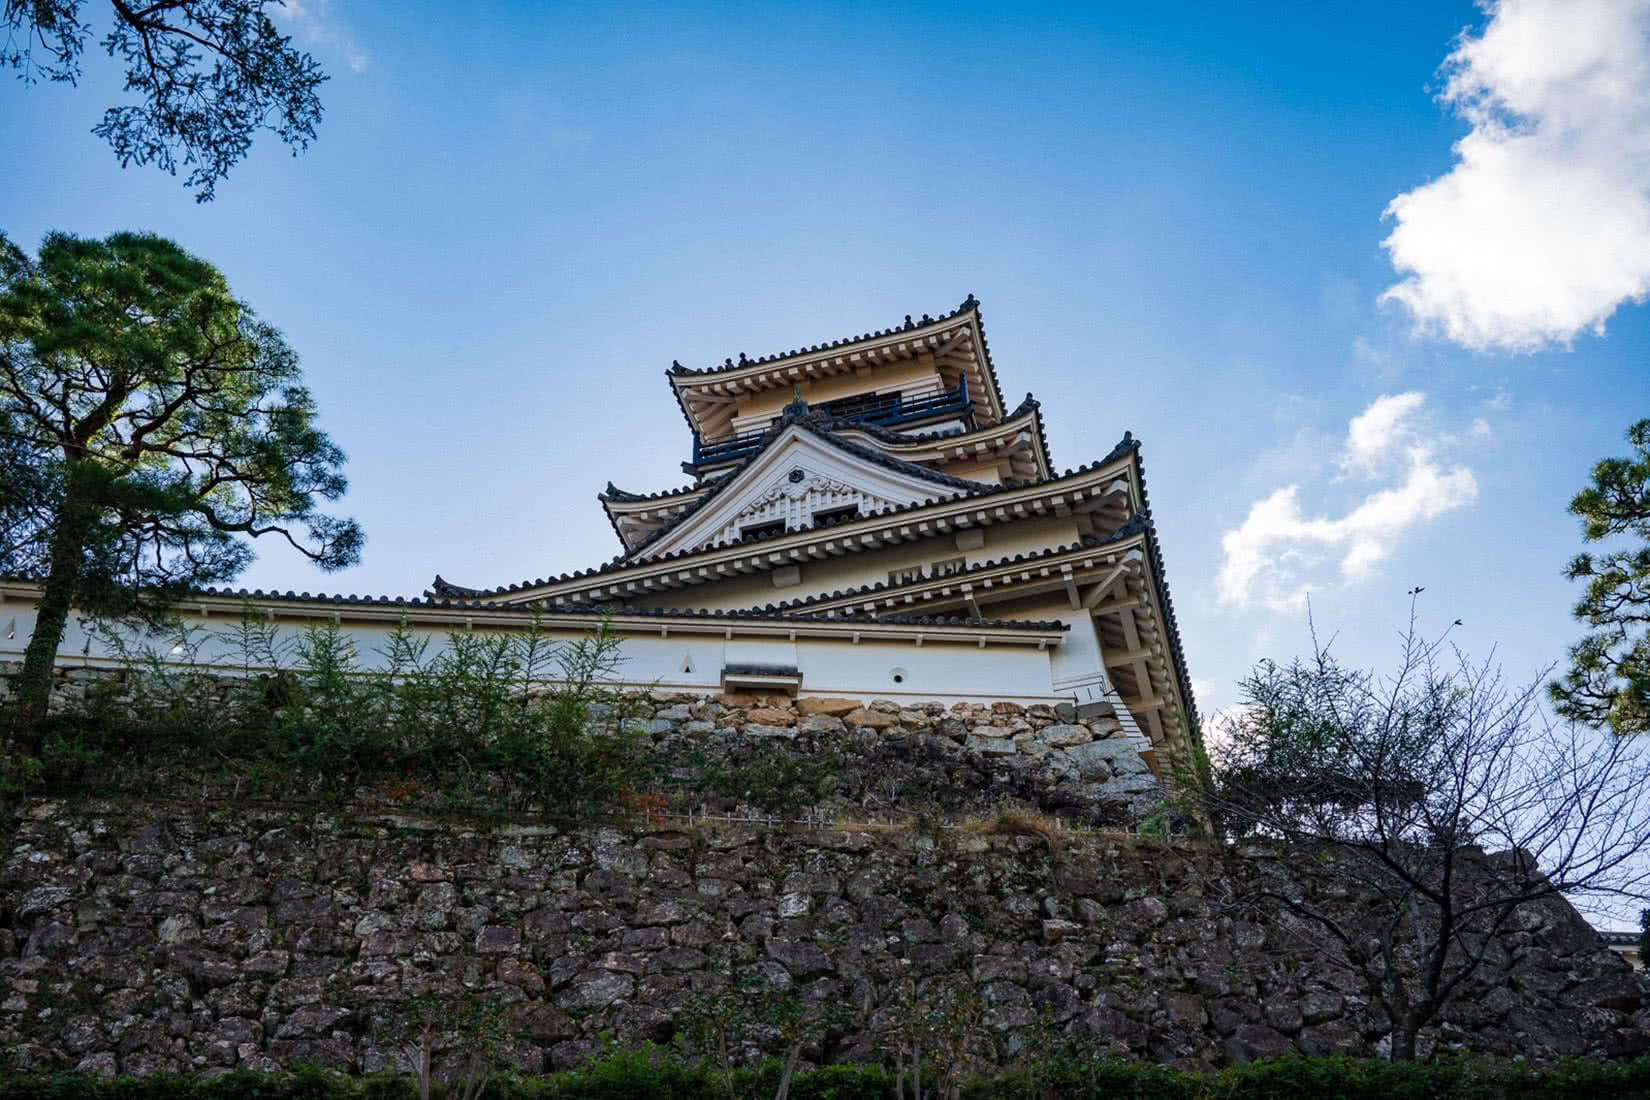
x: 144, y: 936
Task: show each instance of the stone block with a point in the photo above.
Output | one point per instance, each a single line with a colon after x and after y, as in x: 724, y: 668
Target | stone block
x: 1321, y: 1005
x: 1336, y: 1037
x: 870, y: 719
x: 836, y: 708
x: 756, y: 729
x: 991, y: 746
x: 1118, y: 757
x: 596, y: 989
x: 1063, y: 735
x: 771, y: 716
x: 1252, y: 1041
x: 497, y: 940
x: 1625, y: 992
x: 800, y: 958
x: 1127, y: 786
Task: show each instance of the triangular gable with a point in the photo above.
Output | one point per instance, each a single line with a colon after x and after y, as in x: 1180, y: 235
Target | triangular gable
x: 796, y: 476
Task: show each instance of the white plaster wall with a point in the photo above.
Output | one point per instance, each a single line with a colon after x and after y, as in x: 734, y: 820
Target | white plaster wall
x: 932, y: 672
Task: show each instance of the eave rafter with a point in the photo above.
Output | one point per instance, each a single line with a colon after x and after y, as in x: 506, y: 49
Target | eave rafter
x: 1015, y: 441
x: 1073, y: 491
x: 956, y: 342
x: 1114, y: 585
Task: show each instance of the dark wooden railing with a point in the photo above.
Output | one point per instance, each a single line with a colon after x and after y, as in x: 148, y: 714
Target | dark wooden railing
x: 880, y: 409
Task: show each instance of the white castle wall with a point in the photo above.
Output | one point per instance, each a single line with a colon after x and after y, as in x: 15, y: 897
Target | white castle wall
x: 671, y: 659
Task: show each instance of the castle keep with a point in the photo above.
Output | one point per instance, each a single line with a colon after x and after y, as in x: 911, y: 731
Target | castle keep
x: 867, y: 518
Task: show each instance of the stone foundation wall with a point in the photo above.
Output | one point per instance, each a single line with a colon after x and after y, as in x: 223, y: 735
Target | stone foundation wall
x: 141, y: 937
x: 1074, y: 763
x: 883, y: 758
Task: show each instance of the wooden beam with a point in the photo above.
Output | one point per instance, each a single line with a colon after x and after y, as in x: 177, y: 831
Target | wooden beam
x: 1117, y: 658
x: 1112, y: 607
x: 1131, y: 636
x: 1098, y: 592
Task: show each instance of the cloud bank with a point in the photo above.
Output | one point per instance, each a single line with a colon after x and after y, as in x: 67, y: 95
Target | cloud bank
x: 1542, y: 228
x: 1279, y: 555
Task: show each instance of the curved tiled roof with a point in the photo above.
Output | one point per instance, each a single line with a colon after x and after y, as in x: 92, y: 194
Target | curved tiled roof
x: 442, y: 601
x: 1133, y: 526
x: 1124, y: 446
x: 766, y: 615
x: 799, y: 414
x: 1166, y: 601
x: 679, y: 371
x: 1141, y: 521
x: 888, y: 435
x: 969, y: 304
x: 613, y: 494
x: 620, y: 496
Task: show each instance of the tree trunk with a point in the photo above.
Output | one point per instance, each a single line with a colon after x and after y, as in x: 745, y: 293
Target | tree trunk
x: 792, y: 1057
x: 1403, y: 1042
x: 69, y: 536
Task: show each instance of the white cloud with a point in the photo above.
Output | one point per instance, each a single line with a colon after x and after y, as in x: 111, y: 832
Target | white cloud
x: 1279, y: 555
x: 1377, y: 432
x: 1542, y: 227
x: 316, y: 25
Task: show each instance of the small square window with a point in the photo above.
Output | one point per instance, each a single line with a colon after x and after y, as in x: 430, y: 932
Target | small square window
x: 948, y: 567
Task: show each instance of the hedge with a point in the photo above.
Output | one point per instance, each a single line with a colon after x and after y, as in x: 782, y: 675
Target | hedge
x: 650, y: 1076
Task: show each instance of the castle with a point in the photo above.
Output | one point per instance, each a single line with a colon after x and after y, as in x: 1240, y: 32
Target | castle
x: 865, y: 518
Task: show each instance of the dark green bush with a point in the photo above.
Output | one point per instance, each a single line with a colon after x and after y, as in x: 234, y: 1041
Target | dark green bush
x: 653, y: 1073
x: 493, y: 723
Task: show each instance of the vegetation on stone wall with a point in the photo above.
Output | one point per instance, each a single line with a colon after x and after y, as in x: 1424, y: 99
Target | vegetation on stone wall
x: 657, y: 1074
x: 492, y: 723
x: 1441, y: 792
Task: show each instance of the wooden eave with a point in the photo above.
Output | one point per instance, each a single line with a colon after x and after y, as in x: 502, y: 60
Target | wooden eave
x: 1016, y: 439
x: 1113, y: 581
x: 227, y: 607
x: 1059, y: 496
x: 956, y: 342
x: 634, y: 520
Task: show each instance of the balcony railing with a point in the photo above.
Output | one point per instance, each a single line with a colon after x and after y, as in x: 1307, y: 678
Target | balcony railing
x: 884, y: 410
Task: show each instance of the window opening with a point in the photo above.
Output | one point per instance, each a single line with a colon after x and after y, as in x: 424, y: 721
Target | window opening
x: 762, y: 530
x: 835, y: 515
x: 948, y: 567
x: 862, y: 405
x: 910, y: 573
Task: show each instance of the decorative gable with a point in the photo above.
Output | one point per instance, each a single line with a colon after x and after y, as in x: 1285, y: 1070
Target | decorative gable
x: 800, y: 500
x: 799, y: 481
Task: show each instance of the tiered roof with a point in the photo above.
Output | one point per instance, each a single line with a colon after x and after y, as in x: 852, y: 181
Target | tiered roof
x: 956, y: 340
x: 1119, y: 569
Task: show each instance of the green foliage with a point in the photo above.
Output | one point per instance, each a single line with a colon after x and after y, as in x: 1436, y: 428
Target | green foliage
x: 205, y: 118
x: 488, y: 724
x: 152, y: 421
x: 748, y: 1016
x: 1608, y: 682
x: 774, y: 778
x: 652, y: 1073
x: 474, y: 1029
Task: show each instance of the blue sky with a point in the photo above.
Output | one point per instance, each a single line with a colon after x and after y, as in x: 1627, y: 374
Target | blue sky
x: 516, y: 216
